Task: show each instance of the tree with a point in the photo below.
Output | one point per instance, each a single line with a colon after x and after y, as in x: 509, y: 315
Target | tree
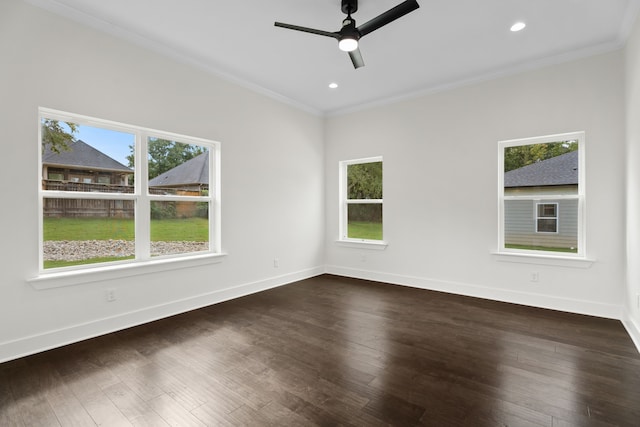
x: 56, y: 137
x: 165, y: 155
x: 523, y: 155
x: 364, y: 181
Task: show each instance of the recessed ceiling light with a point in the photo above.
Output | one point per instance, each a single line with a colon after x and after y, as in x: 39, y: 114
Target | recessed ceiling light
x: 333, y: 85
x: 518, y: 26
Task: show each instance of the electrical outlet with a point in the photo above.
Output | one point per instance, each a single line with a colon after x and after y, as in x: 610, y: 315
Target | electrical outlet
x: 276, y: 263
x: 110, y: 295
x: 535, y: 277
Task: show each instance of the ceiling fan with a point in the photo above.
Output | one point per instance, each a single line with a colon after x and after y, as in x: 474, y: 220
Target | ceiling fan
x: 349, y: 35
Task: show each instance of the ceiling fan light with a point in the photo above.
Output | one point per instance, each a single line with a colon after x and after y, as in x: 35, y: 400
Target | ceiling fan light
x: 348, y: 44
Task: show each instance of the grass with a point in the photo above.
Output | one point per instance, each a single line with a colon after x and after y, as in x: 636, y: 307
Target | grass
x: 184, y: 230
x: 57, y: 264
x: 541, y: 248
x: 365, y: 230
x: 162, y: 230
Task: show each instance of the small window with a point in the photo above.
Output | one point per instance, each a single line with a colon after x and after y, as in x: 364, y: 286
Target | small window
x: 547, y: 218
x: 55, y: 176
x: 107, y: 210
x: 541, y: 194
x: 361, y: 193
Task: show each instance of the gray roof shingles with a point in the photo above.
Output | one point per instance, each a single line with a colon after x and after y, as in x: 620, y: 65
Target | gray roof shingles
x: 192, y: 172
x: 82, y: 155
x: 559, y: 170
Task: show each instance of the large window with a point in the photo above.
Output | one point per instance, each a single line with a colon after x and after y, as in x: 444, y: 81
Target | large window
x: 116, y: 193
x: 541, y: 192
x: 361, y: 199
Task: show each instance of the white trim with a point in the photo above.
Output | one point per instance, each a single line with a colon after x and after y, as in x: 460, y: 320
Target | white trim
x: 581, y: 196
x: 117, y: 270
x: 591, y: 308
x: 69, y: 12
x: 379, y: 245
x: 25, y: 346
x: 543, y: 258
x: 141, y: 196
x: 344, y: 202
x: 520, y: 68
x: 373, y: 159
x: 633, y: 329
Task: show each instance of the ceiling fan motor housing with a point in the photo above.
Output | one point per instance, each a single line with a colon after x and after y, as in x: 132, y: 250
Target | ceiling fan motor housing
x: 349, y: 6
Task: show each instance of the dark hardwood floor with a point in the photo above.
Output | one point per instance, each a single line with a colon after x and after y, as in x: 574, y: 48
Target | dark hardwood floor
x: 334, y: 351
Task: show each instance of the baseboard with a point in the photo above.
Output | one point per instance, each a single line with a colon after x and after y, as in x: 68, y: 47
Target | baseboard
x: 591, y: 308
x: 633, y: 329
x: 57, y: 338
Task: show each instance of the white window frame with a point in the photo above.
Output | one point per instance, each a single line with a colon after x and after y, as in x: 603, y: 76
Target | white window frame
x: 582, y: 251
x: 556, y: 217
x: 345, y: 202
x: 63, y: 276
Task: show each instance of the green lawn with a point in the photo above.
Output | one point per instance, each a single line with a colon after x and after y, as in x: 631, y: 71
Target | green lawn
x: 365, y: 230
x: 162, y: 230
x: 57, y: 264
x: 541, y: 248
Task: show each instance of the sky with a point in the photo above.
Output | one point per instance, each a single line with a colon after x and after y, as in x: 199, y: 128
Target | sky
x: 113, y: 144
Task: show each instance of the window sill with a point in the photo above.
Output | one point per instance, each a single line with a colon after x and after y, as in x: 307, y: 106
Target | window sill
x: 543, y: 259
x: 363, y: 244
x: 78, y: 277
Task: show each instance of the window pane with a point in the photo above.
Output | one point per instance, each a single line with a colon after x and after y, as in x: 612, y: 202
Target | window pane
x: 82, y: 231
x: 177, y: 169
x: 179, y: 227
x: 522, y: 230
x: 547, y: 225
x: 364, y: 181
x: 547, y: 210
x: 364, y: 221
x: 86, y: 158
x: 542, y: 169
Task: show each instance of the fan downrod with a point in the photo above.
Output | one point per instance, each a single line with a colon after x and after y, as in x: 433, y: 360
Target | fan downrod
x: 349, y: 6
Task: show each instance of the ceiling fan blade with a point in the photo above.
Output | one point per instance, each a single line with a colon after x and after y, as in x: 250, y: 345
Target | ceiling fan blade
x: 388, y: 16
x: 307, y: 30
x: 356, y: 58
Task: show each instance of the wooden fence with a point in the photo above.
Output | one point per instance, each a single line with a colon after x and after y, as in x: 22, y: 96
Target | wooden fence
x: 89, y: 208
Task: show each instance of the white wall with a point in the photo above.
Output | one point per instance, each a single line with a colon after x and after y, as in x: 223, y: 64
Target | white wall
x: 440, y: 185
x: 279, y: 180
x: 272, y: 176
x: 633, y: 183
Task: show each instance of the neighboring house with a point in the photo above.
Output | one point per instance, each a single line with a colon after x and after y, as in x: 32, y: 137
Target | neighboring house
x: 535, y: 218
x: 189, y: 178
x: 83, y: 168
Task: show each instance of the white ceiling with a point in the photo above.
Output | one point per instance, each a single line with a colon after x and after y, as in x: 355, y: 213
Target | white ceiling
x: 442, y: 44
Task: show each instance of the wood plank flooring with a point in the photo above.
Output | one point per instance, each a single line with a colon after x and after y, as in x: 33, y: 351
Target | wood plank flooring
x: 334, y: 351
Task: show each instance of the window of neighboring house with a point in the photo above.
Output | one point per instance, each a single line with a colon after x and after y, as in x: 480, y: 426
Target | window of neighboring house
x: 546, y: 217
x: 55, y: 176
x: 361, y: 195
x: 122, y: 213
x: 541, y: 194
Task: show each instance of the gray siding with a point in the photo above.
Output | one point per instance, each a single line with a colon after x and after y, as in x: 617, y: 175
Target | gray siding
x: 520, y: 227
